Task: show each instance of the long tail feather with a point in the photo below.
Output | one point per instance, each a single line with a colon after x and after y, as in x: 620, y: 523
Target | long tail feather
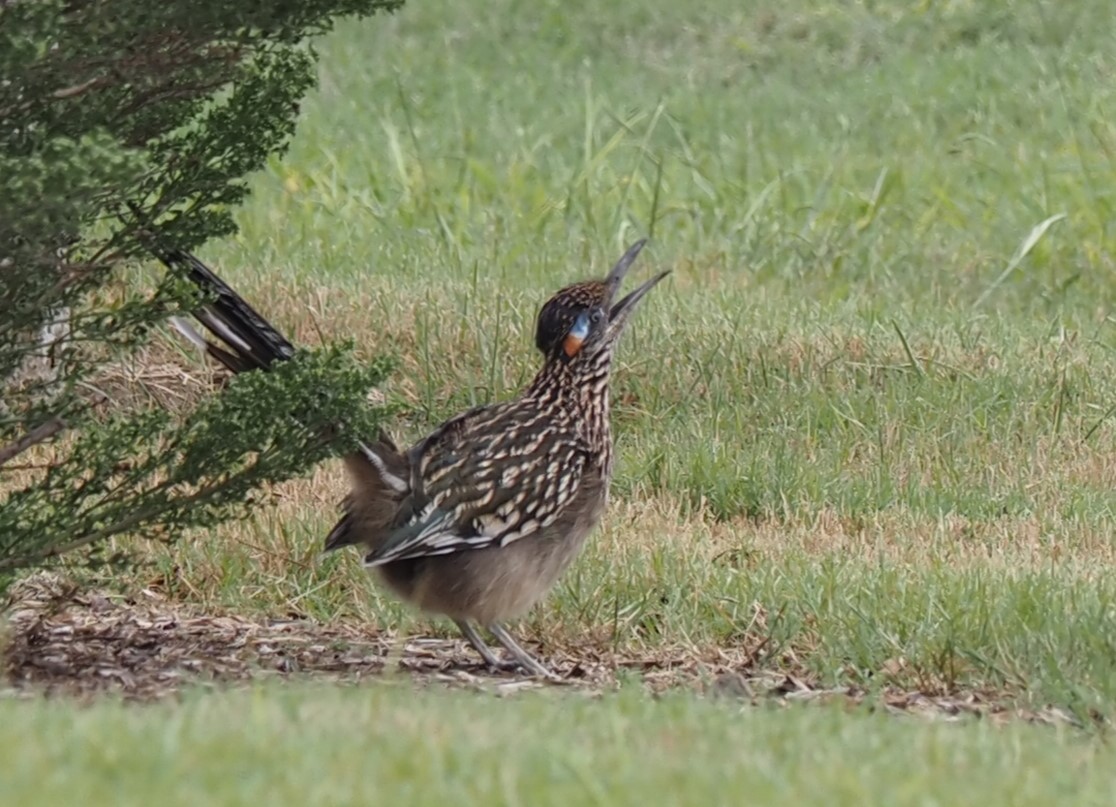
x: 250, y: 342
x: 379, y: 472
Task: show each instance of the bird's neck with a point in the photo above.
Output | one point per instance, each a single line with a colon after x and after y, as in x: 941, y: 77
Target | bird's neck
x: 581, y: 388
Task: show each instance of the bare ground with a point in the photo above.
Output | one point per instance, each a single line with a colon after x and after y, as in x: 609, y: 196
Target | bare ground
x: 61, y: 640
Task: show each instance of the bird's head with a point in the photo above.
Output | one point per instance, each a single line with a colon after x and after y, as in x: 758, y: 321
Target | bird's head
x: 586, y: 319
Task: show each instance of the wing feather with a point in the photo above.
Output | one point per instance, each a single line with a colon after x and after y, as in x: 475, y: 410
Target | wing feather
x: 488, y: 478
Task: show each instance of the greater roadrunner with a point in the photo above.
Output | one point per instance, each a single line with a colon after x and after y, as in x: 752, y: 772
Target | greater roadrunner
x: 480, y: 518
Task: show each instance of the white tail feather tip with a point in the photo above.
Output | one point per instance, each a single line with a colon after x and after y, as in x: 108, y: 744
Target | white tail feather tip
x: 187, y: 330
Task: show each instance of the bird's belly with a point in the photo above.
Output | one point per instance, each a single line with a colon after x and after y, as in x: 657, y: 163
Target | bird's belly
x: 498, y: 583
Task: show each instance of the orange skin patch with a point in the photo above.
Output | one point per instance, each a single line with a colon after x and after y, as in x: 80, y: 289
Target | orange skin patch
x: 571, y: 344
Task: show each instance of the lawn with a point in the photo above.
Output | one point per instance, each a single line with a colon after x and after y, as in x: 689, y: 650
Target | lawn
x: 865, y: 431
x: 389, y: 745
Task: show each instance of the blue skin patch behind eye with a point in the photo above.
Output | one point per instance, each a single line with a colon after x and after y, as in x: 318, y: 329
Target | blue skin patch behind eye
x: 580, y: 327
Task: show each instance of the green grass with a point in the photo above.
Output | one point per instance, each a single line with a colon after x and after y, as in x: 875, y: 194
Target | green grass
x: 383, y: 744
x: 867, y: 419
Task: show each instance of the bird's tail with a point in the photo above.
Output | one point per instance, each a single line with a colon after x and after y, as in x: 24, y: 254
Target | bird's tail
x: 248, y: 340
x: 379, y: 472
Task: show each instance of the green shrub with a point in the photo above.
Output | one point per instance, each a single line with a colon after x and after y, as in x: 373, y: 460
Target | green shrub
x: 158, y: 108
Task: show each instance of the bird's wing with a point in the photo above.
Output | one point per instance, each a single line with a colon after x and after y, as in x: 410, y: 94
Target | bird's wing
x: 487, y: 479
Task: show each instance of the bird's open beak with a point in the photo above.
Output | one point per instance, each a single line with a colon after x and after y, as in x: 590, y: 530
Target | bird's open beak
x: 619, y: 311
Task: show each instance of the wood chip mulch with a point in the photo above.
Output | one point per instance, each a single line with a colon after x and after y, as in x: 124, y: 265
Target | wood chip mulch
x: 57, y: 639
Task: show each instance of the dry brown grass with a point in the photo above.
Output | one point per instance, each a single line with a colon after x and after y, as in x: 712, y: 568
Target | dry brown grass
x: 643, y: 527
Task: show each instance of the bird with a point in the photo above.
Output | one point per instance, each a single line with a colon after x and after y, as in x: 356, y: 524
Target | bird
x: 477, y: 520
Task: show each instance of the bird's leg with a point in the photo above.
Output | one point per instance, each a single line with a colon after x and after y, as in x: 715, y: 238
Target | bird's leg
x: 470, y: 633
x: 526, y: 661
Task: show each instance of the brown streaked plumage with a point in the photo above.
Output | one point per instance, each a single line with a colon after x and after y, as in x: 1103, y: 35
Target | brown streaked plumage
x: 479, y: 519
